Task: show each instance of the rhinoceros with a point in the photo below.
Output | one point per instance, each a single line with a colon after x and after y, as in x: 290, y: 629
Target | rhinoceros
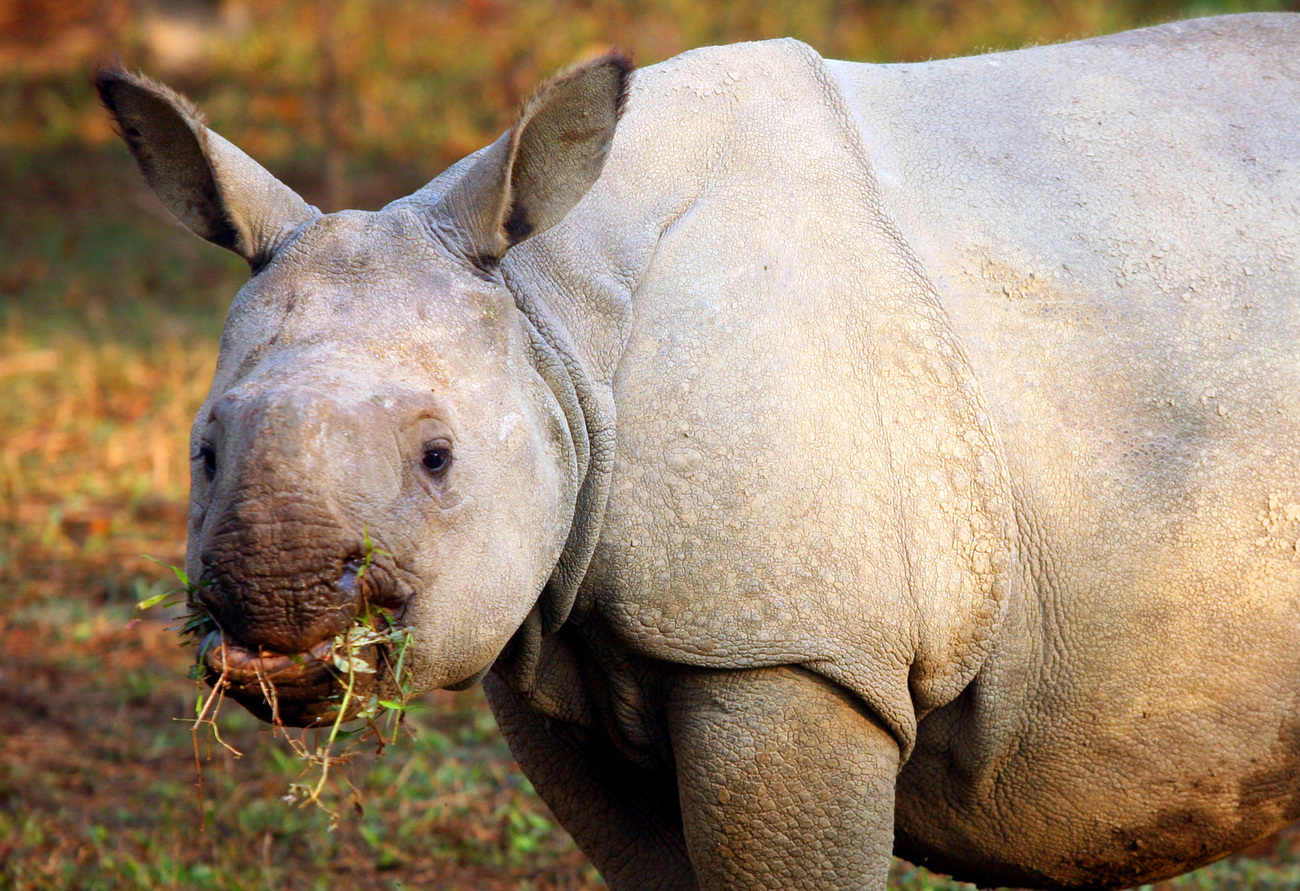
x: 813, y: 459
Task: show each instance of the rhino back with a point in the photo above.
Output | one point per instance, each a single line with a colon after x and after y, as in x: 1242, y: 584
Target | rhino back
x: 1114, y: 229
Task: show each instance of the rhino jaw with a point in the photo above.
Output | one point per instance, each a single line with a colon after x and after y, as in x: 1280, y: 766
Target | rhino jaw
x: 295, y: 690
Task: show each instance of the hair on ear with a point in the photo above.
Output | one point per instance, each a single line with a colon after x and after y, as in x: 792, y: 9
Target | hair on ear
x: 207, y: 183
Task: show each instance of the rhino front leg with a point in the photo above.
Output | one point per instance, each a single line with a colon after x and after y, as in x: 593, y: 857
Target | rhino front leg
x: 785, y: 781
x: 623, y: 817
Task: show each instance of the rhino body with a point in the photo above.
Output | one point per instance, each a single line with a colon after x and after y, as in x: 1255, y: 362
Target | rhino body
x: 873, y: 457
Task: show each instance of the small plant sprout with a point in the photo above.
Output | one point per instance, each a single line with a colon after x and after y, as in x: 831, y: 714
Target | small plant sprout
x: 374, y: 630
x: 373, y: 645
x: 198, y: 625
x: 368, y: 552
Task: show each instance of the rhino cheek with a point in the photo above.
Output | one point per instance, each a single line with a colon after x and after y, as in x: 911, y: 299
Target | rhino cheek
x: 485, y: 577
x: 460, y: 631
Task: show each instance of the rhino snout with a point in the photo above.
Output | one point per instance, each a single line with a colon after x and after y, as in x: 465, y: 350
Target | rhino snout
x: 291, y: 597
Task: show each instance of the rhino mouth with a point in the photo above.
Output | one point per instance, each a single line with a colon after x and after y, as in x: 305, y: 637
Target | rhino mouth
x: 303, y: 647
x: 303, y: 689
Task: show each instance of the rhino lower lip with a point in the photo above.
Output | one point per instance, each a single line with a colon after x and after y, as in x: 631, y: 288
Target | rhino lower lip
x: 297, y: 689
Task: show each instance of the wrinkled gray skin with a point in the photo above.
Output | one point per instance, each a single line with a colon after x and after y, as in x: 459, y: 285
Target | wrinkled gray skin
x: 873, y: 457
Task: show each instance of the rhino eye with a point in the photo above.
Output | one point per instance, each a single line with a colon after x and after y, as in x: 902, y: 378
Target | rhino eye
x: 208, y: 455
x: 436, y: 460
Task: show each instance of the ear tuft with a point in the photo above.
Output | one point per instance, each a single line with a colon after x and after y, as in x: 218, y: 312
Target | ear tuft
x: 108, y: 78
x: 529, y: 179
x: 615, y: 66
x: 623, y: 62
x: 208, y: 184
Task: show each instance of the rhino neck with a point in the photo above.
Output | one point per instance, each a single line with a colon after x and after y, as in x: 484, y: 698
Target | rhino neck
x: 573, y: 285
x: 587, y: 405
x: 582, y: 389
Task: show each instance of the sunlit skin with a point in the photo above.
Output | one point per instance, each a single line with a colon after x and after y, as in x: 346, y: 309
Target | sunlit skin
x: 818, y: 460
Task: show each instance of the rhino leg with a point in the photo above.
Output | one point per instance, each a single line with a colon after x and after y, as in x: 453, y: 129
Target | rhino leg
x: 624, y: 818
x: 785, y: 781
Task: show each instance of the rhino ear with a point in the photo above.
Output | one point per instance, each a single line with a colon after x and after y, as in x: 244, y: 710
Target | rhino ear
x: 209, y: 185
x: 530, y: 178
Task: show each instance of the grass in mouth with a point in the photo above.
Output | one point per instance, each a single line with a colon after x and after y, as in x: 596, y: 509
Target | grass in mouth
x: 376, y: 720
x: 355, y: 722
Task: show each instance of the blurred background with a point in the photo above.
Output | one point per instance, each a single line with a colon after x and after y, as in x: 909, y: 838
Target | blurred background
x: 109, y: 314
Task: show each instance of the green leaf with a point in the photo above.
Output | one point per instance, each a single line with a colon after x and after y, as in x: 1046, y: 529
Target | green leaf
x: 352, y: 664
x: 180, y: 574
x: 150, y: 602
x: 205, y: 648
x: 197, y: 623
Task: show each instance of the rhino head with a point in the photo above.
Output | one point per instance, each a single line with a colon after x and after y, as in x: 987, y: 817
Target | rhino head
x: 378, y: 433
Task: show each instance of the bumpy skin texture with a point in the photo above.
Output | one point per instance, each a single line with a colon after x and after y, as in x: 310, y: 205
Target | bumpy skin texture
x: 1110, y: 229
x: 1118, y: 251
x: 788, y: 736
x: 876, y: 456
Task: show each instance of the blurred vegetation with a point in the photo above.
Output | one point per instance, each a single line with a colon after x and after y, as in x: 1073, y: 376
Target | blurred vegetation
x: 108, y: 321
x: 412, y: 85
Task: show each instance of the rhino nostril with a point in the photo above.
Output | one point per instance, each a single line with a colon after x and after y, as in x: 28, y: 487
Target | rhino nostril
x: 349, y: 585
x: 364, y: 579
